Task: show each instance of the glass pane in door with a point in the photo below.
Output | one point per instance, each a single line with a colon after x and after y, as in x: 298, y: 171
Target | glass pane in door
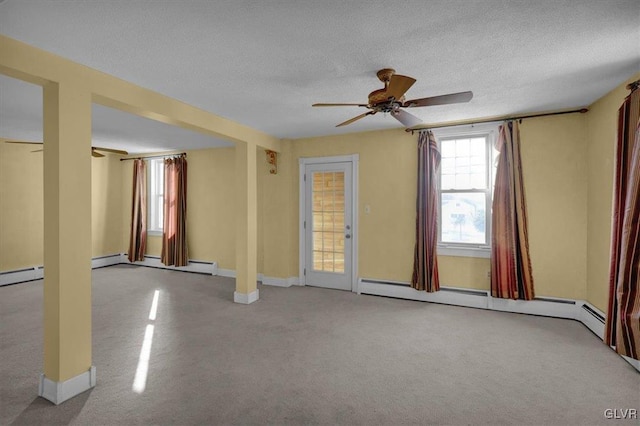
x: 328, y: 221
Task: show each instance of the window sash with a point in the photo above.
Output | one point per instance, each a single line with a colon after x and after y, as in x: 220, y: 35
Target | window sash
x: 487, y: 191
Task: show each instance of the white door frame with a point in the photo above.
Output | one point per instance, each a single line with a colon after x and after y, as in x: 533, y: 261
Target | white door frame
x: 353, y: 159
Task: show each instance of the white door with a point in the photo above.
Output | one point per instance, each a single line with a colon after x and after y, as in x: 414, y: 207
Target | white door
x: 328, y: 236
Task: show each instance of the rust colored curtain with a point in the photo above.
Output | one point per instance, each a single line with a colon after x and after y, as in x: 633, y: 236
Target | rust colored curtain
x: 511, y: 276
x: 623, y: 317
x: 138, y: 235
x: 174, y: 233
x: 425, y: 262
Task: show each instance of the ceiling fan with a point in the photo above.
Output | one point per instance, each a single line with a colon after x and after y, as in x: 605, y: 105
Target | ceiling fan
x: 94, y: 149
x: 391, y: 99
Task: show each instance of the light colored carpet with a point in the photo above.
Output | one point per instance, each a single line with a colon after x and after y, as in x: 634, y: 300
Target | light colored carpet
x: 305, y: 355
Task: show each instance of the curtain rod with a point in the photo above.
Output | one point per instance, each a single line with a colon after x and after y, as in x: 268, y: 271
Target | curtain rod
x: 154, y: 156
x: 489, y: 120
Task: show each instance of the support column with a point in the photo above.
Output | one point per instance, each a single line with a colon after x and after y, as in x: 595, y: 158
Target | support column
x: 246, y: 224
x: 67, y: 242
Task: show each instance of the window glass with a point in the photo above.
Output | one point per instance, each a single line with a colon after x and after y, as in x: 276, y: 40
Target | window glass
x: 465, y: 184
x: 156, y: 195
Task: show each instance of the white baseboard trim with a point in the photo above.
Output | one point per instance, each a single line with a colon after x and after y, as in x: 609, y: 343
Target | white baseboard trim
x: 59, y: 392
x: 634, y: 362
x: 472, y: 298
x: 246, y: 299
x: 293, y: 281
x: 229, y: 273
x: 37, y: 272
x: 592, y: 318
x: 201, y: 267
x: 108, y: 260
x: 579, y: 310
x: 21, y: 275
x: 280, y: 282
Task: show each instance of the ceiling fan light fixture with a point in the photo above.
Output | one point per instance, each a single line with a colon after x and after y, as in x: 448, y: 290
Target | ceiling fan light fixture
x: 391, y: 99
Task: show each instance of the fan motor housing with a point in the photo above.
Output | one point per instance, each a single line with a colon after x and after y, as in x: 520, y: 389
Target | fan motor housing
x: 379, y: 100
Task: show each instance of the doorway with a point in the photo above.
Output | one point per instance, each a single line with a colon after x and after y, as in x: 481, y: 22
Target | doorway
x: 328, y: 222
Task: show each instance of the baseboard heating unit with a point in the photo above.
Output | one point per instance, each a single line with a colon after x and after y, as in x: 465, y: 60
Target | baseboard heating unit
x: 196, y: 266
x: 17, y: 276
x: 472, y: 298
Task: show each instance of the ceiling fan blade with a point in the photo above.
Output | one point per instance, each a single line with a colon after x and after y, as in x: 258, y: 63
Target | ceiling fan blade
x: 355, y: 118
x: 38, y: 150
x: 96, y: 154
x: 452, y: 98
x: 115, y: 151
x: 408, y: 120
x: 334, y: 105
x: 398, y: 85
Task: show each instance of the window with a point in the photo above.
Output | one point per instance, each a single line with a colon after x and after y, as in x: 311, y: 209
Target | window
x: 156, y: 196
x: 465, y: 186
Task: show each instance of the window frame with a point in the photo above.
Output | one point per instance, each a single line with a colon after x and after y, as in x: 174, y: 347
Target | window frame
x: 155, y: 190
x: 490, y: 131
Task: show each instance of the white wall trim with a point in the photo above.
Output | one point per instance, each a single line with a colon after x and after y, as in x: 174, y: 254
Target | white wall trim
x: 202, y: 267
x: 443, y: 250
x: 293, y: 281
x: 21, y: 275
x: 593, y: 323
x: 473, y: 298
x: 634, y: 362
x: 37, y: 272
x: 59, y: 392
x: 229, y: 273
x: 280, y: 282
x: 246, y: 299
x: 108, y: 260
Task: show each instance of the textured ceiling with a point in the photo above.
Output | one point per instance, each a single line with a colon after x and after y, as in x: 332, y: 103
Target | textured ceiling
x: 263, y: 63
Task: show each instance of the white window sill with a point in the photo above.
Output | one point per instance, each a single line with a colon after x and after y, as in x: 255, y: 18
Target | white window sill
x: 464, y: 251
x: 154, y: 233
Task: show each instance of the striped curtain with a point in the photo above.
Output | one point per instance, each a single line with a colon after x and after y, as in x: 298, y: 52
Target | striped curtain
x: 623, y: 316
x: 138, y: 235
x: 425, y: 262
x: 511, y: 276
x: 174, y: 233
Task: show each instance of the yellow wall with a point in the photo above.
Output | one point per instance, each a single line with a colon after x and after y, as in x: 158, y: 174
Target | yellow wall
x: 210, y: 213
x: 387, y: 175
x: 555, y: 177
x: 21, y: 198
x: 276, y: 221
x: 106, y: 204
x: 601, y: 140
x: 568, y: 170
x: 21, y: 206
x: 554, y: 163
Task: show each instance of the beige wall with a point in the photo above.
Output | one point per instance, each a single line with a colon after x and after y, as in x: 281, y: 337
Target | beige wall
x: 21, y: 201
x: 601, y: 140
x: 106, y: 204
x: 555, y: 177
x: 210, y: 209
x: 21, y: 206
x: 554, y: 163
x: 276, y: 220
x: 568, y: 169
